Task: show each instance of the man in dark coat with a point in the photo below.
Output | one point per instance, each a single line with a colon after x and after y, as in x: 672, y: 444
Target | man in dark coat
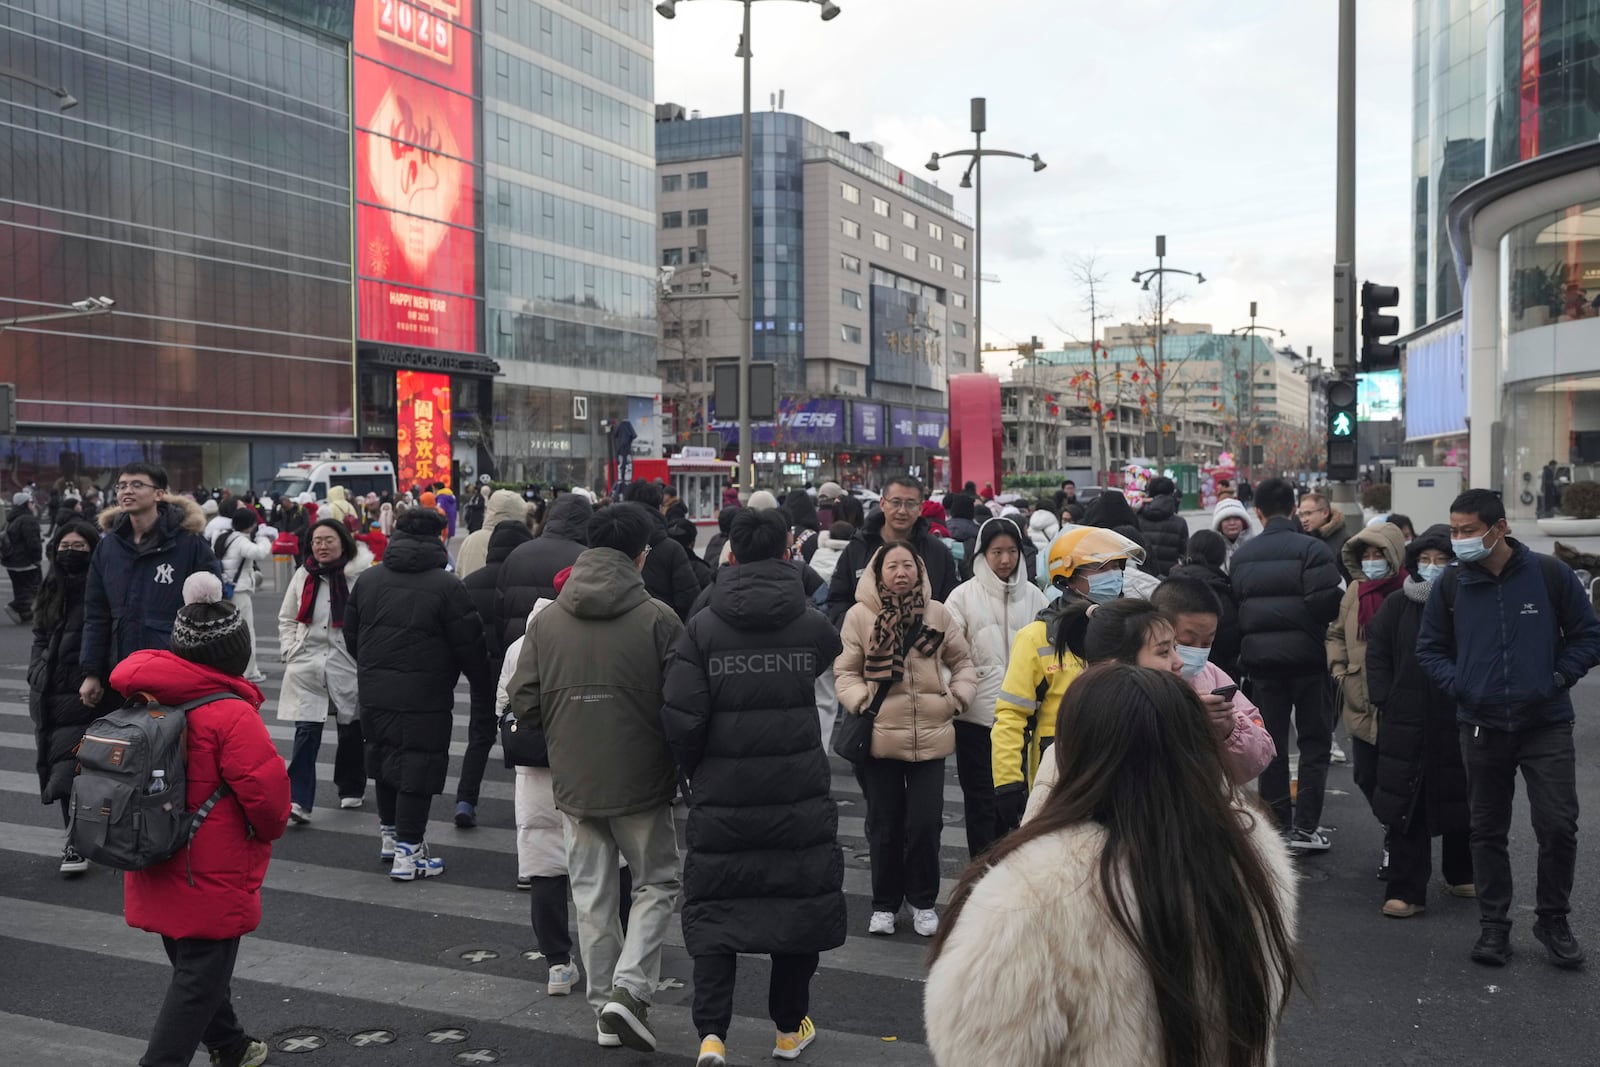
x: 481, y: 729
x: 713, y: 555
x: 529, y: 573
x: 667, y: 574
x: 1320, y: 519
x: 24, y: 547
x: 1166, y: 533
x: 1288, y: 592
x: 764, y: 873
x: 899, y: 518
x: 412, y: 630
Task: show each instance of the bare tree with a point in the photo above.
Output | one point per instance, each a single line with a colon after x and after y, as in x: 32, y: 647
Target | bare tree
x: 1107, y: 387
x: 683, y: 346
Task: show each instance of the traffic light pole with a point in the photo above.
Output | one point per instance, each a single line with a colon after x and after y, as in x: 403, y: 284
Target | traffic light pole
x: 1342, y: 493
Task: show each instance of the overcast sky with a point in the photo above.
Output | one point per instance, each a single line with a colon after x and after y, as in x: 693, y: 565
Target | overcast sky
x: 1211, y: 121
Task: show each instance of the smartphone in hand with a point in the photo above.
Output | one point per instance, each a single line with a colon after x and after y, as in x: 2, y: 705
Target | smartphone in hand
x: 1225, y: 692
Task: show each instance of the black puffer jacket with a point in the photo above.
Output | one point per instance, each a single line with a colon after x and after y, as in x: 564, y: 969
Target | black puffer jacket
x: 667, y: 574
x: 59, y: 717
x: 24, y: 540
x: 764, y: 872
x: 482, y: 585
x: 530, y: 571
x: 1225, y: 647
x: 413, y: 631
x: 1419, y: 745
x: 936, y: 560
x: 1288, y: 591
x: 1166, y: 534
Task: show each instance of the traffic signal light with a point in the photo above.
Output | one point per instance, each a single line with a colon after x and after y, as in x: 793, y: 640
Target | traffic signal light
x: 1342, y: 465
x: 1376, y: 352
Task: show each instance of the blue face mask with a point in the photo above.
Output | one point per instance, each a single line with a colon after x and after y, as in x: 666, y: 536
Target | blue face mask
x: 1105, y: 586
x: 1194, y: 659
x: 1430, y: 572
x: 1374, y: 568
x: 1470, y: 549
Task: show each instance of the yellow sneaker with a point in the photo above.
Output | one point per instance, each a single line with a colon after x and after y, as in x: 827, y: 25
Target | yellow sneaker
x: 789, y: 1046
x: 713, y: 1053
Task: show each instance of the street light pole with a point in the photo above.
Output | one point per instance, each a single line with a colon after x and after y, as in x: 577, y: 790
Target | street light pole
x: 65, y: 100
x: 1239, y: 396
x: 1142, y: 277
x: 85, y: 308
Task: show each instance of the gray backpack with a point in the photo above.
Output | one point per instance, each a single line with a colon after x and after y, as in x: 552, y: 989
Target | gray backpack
x: 129, y: 795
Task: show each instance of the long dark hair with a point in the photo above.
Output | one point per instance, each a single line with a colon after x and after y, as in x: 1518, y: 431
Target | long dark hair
x: 347, y: 542
x: 50, y: 602
x: 1138, y: 757
x: 1116, y: 631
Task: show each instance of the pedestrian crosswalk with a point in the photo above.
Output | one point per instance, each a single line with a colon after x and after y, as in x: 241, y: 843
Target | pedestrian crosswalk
x: 349, y: 967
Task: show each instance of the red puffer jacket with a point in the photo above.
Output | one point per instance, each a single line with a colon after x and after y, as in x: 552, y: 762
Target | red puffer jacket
x: 227, y: 743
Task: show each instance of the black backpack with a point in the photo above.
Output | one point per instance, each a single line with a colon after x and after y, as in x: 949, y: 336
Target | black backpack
x: 121, y: 816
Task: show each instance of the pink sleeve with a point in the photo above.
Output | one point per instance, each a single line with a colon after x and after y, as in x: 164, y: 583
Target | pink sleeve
x: 1249, y: 747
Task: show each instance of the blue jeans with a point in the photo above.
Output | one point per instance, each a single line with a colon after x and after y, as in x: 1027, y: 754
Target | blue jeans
x: 349, y: 772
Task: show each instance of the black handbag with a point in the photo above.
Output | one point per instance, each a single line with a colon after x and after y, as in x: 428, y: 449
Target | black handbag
x: 523, y: 745
x: 853, y: 738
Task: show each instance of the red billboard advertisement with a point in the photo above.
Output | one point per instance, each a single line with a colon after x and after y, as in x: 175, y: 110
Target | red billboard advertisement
x: 416, y: 251
x: 423, y: 428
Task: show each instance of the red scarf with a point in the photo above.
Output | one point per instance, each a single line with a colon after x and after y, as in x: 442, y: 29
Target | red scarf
x: 338, y: 590
x: 1371, y: 594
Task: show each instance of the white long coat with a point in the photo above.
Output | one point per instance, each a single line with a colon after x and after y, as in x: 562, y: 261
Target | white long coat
x: 319, y: 667
x: 990, y: 612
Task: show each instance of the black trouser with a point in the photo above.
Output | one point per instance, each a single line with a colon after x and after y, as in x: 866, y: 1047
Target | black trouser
x: 350, y: 760
x: 905, y: 813
x: 547, y: 905
x: 1546, y: 758
x: 1411, y: 856
x: 1305, y: 698
x: 1363, y: 766
x: 975, y: 770
x: 788, y: 994
x: 406, y: 812
x: 483, y: 728
x: 198, y: 1006
x: 24, y: 587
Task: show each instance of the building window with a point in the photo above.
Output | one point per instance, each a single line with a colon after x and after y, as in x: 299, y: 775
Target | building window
x: 959, y: 328
x: 850, y: 298
x: 672, y: 220
x: 909, y: 252
x: 697, y: 179
x: 672, y: 257
x: 850, y: 193
x: 959, y: 299
x: 697, y: 255
x: 960, y: 271
x: 851, y: 334
x: 850, y: 227
x: 880, y: 206
x: 697, y: 217
x: 960, y: 241
x: 935, y: 231
x: 845, y: 376
x: 880, y: 241
x: 671, y: 183
x: 850, y: 263
x: 935, y: 262
x: 909, y: 219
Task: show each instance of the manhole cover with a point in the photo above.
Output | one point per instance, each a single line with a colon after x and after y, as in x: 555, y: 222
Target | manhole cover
x: 533, y: 954
x: 371, y: 1037
x: 476, y: 1055
x: 480, y: 955
x: 447, y: 1036
x: 297, y: 1043
x: 664, y: 984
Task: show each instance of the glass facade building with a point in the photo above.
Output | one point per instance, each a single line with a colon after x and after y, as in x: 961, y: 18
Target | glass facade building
x: 203, y: 183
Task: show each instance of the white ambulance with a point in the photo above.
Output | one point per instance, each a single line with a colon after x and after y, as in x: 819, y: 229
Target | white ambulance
x: 359, y: 472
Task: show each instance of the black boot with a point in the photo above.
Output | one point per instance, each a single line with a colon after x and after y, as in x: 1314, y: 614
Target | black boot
x: 1556, y: 936
x: 1493, y: 947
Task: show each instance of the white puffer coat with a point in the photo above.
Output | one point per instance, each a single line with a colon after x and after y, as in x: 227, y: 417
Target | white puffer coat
x: 990, y: 612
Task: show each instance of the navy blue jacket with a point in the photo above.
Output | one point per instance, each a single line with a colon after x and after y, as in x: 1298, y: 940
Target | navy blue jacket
x: 1499, y: 652
x: 135, y: 590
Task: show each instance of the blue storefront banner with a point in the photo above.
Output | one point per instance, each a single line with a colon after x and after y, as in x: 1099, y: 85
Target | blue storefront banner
x: 933, y: 428
x: 802, y: 424
x: 868, y: 424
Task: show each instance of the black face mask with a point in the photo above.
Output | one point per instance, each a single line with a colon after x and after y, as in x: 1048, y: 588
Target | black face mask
x: 71, y: 562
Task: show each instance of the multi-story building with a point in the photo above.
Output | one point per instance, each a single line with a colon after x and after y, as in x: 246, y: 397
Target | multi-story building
x: 862, y: 291
x: 1507, y: 92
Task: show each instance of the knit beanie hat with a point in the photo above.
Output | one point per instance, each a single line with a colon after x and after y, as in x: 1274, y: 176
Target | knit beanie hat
x: 417, y: 522
x: 762, y: 500
x: 209, y: 630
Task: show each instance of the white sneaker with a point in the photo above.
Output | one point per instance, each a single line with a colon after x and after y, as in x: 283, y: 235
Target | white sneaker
x: 1336, y: 754
x: 349, y: 802
x: 563, y: 976
x: 882, y: 923
x: 298, y: 815
x: 412, y: 862
x: 607, y: 1038
x: 925, y: 921
x: 386, y: 841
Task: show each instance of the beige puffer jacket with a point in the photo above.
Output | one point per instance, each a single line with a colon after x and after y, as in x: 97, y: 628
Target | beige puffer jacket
x: 915, y: 722
x: 1347, y: 649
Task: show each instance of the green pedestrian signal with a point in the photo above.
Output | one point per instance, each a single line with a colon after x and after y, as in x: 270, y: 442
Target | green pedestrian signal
x: 1342, y: 457
x: 1342, y: 426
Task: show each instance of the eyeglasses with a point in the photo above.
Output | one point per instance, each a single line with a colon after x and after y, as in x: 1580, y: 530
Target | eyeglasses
x: 1314, y: 511
x: 131, y: 487
x: 902, y: 505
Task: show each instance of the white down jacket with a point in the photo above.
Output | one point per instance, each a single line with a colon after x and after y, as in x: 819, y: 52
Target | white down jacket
x: 990, y: 612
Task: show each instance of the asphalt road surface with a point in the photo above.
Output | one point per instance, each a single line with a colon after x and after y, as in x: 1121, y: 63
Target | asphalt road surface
x: 350, y: 969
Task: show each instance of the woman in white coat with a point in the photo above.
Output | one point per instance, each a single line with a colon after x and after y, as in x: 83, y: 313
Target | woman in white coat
x: 320, y: 676
x: 989, y: 610
x: 238, y: 551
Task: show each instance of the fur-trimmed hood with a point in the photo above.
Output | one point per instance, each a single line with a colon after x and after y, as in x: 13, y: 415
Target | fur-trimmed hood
x: 178, y: 510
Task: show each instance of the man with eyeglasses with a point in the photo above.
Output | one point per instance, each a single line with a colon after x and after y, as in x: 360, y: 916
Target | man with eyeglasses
x: 899, y: 518
x: 136, y: 575
x: 1322, y: 520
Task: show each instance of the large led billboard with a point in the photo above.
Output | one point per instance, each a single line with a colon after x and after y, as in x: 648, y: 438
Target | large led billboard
x: 1378, y: 396
x: 416, y: 249
x: 422, y: 428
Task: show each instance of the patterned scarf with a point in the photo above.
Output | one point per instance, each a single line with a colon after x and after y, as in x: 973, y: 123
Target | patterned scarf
x: 891, y: 631
x: 338, y: 590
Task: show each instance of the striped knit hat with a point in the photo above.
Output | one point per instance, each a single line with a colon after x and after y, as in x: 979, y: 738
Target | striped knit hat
x: 209, y: 630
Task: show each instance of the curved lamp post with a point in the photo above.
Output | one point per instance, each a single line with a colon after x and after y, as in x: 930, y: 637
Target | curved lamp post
x: 1142, y: 279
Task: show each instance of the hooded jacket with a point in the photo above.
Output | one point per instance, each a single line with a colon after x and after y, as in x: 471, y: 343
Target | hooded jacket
x: 667, y: 573
x: 24, y: 539
x: 1347, y: 644
x: 764, y: 872
x: 1166, y: 533
x: 135, y: 590
x: 483, y: 584
x: 226, y: 742
x: 914, y: 723
x: 1232, y: 509
x: 589, y: 679
x: 240, y: 555
x: 1288, y: 591
x: 1333, y: 534
x: 991, y: 612
x: 1501, y: 649
x: 826, y: 558
x: 54, y: 675
x: 938, y: 565
x: 503, y: 506
x: 412, y: 629
x: 339, y: 506
x: 318, y: 667
x: 529, y: 573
